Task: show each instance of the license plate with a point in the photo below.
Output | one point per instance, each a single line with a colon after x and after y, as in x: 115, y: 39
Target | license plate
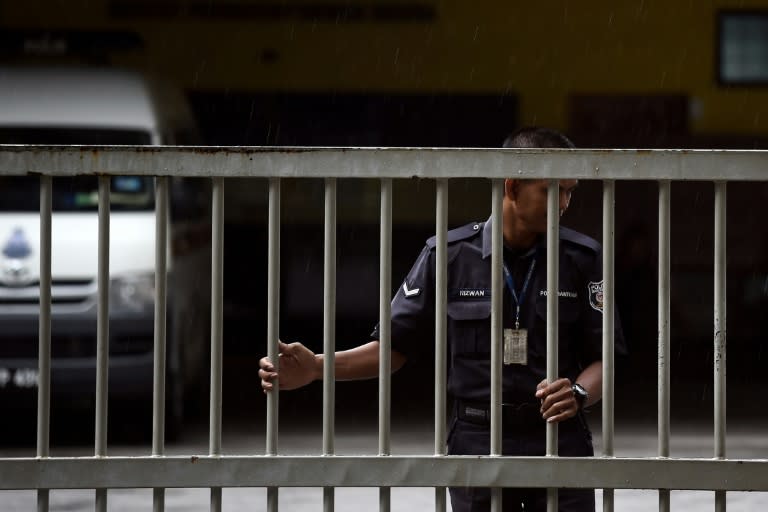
x: 18, y: 378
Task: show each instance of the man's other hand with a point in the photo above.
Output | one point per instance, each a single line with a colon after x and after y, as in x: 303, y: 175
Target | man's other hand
x: 298, y: 366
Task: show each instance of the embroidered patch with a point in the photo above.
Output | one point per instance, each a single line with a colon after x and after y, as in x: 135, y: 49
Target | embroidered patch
x: 595, y: 290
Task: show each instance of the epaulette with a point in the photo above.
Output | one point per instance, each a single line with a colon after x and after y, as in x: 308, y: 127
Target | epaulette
x: 579, y: 239
x: 463, y: 233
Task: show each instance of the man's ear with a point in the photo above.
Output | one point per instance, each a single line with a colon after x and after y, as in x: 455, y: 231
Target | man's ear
x: 511, y: 187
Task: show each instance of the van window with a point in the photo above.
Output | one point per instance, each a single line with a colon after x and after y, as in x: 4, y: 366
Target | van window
x: 70, y: 135
x: 81, y: 193
x: 76, y: 194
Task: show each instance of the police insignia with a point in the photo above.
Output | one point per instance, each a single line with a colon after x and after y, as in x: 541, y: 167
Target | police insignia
x: 410, y: 292
x: 596, y: 295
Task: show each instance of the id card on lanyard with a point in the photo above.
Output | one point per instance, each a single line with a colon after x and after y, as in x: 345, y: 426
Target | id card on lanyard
x: 516, y: 340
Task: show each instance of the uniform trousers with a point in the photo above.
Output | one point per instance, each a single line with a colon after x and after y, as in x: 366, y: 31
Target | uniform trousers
x: 524, y: 434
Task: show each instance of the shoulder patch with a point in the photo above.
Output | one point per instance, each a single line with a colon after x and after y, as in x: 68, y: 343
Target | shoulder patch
x: 463, y: 233
x: 579, y: 239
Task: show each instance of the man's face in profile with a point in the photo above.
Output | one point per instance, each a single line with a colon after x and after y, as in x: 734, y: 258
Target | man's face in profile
x: 531, y: 202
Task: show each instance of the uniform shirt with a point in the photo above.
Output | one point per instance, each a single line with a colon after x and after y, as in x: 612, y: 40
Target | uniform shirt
x: 469, y: 311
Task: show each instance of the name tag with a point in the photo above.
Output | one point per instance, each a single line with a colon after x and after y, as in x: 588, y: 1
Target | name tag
x: 516, y: 346
x: 561, y: 293
x: 472, y: 293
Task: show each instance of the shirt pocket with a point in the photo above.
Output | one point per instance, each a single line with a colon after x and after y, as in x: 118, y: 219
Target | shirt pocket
x: 469, y: 327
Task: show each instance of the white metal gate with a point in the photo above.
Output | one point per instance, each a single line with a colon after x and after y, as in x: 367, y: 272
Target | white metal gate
x: 272, y: 470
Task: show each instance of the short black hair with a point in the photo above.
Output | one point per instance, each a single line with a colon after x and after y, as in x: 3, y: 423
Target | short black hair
x: 537, y: 137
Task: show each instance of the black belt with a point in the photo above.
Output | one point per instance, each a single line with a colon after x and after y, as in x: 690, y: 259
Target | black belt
x: 526, y: 414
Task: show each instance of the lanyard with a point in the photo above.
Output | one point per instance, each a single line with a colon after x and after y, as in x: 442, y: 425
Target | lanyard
x: 511, y: 285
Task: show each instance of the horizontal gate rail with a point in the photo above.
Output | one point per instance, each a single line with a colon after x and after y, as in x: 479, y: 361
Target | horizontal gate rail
x: 619, y: 164
x: 390, y: 471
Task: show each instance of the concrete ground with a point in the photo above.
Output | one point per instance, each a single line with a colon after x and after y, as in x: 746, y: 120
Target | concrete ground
x: 631, y: 440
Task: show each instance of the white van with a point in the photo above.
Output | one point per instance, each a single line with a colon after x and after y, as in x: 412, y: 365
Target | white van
x: 92, y: 106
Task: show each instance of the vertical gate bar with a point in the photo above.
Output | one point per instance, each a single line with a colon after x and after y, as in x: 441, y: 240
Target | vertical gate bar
x: 385, y: 499
x: 441, y: 340
x: 720, y: 330
x: 216, y: 498
x: 272, y: 498
x: 385, y: 320
x: 609, y: 206
x: 158, y: 499
x: 161, y: 251
x: 665, y: 189
x: 102, y: 332
x: 217, y: 299
x: 161, y: 281
x: 497, y: 292
x: 329, y: 331
x: 101, y: 500
x: 553, y: 276
x: 44, y: 332
x: 328, y: 498
x: 273, y: 320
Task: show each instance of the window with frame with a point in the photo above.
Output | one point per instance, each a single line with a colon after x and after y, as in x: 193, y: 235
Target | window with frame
x: 743, y: 47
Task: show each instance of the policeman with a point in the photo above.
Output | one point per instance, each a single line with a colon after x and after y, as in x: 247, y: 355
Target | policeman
x: 529, y: 401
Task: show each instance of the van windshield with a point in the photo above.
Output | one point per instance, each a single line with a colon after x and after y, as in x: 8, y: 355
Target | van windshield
x: 80, y: 193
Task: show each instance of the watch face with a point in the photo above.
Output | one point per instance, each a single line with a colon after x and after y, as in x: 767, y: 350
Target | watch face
x: 580, y: 392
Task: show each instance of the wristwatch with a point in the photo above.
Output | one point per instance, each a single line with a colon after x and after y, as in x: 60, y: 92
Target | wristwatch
x: 580, y: 393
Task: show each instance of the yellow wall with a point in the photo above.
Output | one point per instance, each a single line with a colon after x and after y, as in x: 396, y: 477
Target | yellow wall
x: 542, y: 51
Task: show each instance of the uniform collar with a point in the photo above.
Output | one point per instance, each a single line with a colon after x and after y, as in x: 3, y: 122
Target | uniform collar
x: 488, y: 236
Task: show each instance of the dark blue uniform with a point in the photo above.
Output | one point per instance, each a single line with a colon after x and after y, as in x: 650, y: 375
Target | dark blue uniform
x: 469, y: 347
